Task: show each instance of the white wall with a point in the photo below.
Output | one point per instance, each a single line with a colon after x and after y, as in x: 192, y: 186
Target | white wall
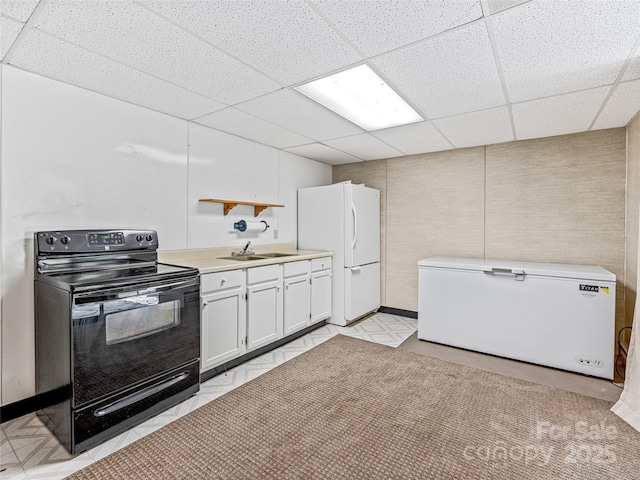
x: 75, y: 159
x: 226, y: 167
x: 1, y: 241
x: 229, y: 168
x: 294, y: 174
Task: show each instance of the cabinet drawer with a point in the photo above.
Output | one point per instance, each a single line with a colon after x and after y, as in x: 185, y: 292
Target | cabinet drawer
x: 216, y: 281
x: 264, y: 274
x: 296, y: 268
x: 320, y: 263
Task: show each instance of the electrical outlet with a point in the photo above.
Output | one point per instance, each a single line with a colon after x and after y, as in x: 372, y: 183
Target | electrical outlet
x: 275, y: 233
x: 588, y: 361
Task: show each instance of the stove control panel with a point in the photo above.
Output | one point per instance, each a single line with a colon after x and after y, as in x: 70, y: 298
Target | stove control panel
x: 110, y: 238
x: 85, y: 241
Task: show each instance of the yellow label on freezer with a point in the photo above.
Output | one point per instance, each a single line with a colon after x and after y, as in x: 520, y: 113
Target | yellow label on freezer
x: 605, y: 290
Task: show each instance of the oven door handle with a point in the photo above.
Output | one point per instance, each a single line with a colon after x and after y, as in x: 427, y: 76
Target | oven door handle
x: 140, y: 289
x: 167, y: 286
x: 141, y: 395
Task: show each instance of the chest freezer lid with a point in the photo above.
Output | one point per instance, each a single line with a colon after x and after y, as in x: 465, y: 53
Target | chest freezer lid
x: 578, y: 272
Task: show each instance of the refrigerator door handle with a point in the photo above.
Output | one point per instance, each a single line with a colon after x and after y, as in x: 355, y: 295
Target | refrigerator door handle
x: 355, y: 225
x: 355, y: 269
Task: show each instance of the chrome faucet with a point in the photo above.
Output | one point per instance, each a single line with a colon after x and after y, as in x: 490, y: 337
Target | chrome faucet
x: 243, y: 251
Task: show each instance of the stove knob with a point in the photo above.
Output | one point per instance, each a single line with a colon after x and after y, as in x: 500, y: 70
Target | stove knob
x: 149, y: 238
x: 51, y: 240
x: 139, y: 238
x: 65, y: 240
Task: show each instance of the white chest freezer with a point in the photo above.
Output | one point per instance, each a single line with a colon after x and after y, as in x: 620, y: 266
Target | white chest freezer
x: 561, y: 316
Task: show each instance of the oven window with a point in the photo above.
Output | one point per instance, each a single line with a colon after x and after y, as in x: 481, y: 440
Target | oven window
x: 128, y: 325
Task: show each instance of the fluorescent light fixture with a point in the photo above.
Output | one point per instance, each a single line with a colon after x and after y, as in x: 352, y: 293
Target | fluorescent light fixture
x: 361, y: 96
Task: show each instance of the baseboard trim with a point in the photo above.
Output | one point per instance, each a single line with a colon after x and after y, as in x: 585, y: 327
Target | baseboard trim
x: 398, y: 311
x: 31, y: 404
x: 204, y: 376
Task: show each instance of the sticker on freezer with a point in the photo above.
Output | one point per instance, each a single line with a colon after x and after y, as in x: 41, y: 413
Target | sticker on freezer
x: 589, y: 288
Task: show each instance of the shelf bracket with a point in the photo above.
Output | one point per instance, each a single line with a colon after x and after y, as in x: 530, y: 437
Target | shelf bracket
x: 258, y: 208
x: 227, y: 206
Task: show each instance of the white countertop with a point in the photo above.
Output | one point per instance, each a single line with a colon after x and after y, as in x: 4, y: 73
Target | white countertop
x: 207, y: 260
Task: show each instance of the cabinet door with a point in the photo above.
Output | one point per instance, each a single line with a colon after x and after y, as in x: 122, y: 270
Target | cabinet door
x: 320, y: 295
x: 264, y: 313
x: 296, y: 303
x: 223, y: 326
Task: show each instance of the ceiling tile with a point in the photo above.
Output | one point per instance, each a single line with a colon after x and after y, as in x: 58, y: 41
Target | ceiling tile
x: 322, y: 153
x: 367, y: 24
x: 18, y: 9
x: 447, y: 75
x: 485, y: 127
x: 364, y: 146
x: 287, y: 40
x: 569, y: 113
x: 297, y: 113
x: 554, y: 47
x: 53, y: 58
x: 242, y: 124
x: 496, y: 6
x: 633, y: 70
x: 621, y: 107
x: 9, y: 31
x: 415, y: 138
x: 131, y: 34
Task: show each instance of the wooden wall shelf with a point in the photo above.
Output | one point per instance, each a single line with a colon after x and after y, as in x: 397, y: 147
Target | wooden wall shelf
x: 229, y: 204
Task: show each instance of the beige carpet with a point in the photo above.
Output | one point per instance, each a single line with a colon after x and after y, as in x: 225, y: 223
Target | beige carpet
x: 575, y: 382
x: 352, y: 409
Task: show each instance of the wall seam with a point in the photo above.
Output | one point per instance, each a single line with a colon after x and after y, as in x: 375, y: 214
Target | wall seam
x: 626, y: 233
x: 386, y: 229
x: 186, y: 233
x: 484, y: 207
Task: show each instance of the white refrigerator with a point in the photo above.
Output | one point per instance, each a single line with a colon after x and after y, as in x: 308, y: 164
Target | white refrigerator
x: 344, y: 218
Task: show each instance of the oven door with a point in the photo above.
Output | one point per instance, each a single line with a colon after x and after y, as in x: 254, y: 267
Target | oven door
x: 127, y: 335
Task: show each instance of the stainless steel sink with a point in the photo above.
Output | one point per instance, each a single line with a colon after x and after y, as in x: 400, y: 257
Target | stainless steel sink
x: 275, y: 255
x: 242, y: 258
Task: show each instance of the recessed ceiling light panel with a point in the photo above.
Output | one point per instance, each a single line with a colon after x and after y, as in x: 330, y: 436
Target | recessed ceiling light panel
x: 362, y: 97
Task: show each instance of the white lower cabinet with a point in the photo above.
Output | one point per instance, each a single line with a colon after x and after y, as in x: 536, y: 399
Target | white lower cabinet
x: 223, y: 317
x: 297, y: 313
x: 321, y: 287
x: 264, y: 305
x: 246, y: 309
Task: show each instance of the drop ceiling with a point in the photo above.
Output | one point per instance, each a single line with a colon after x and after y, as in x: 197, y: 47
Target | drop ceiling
x: 479, y: 72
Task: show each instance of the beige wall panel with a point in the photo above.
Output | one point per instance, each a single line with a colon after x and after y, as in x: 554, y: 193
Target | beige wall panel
x: 435, y: 206
x: 633, y: 207
x: 559, y: 199
x: 373, y: 174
